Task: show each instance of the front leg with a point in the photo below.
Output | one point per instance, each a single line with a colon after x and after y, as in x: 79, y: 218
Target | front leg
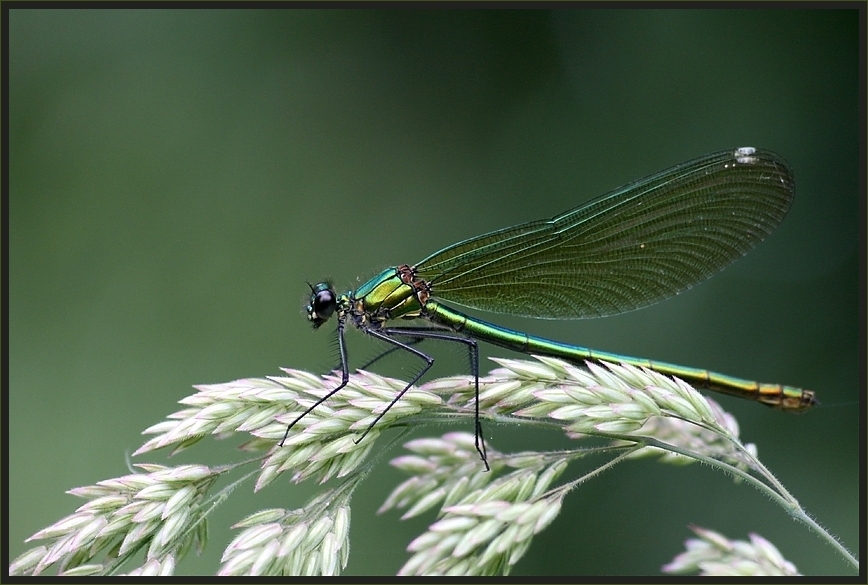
x: 345, y: 378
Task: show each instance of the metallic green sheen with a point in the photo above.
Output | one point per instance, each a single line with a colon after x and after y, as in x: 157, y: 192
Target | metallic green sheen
x: 635, y: 246
x: 775, y: 395
x: 386, y: 297
x: 366, y: 289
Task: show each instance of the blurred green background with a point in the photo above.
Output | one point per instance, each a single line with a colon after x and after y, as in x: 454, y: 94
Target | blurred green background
x: 176, y: 176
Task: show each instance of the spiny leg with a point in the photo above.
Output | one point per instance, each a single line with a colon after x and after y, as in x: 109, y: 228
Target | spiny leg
x: 429, y: 333
x: 345, y: 378
x: 383, y: 354
x: 383, y: 334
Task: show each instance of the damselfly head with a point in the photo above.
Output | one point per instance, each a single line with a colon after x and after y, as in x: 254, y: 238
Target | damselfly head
x: 322, y: 304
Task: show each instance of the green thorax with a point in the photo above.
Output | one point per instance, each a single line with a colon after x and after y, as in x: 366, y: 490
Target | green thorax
x: 395, y: 293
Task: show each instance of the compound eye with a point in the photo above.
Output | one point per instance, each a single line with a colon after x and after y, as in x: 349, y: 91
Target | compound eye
x: 324, y: 304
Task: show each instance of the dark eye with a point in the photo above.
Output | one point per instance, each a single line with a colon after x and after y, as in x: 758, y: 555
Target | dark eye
x: 324, y: 303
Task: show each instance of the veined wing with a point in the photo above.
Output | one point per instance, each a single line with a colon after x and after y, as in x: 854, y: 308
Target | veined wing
x: 635, y: 246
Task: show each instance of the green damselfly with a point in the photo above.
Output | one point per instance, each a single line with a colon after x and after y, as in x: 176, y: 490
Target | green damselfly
x: 635, y: 246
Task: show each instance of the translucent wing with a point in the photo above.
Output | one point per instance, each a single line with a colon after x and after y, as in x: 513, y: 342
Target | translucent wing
x: 630, y: 248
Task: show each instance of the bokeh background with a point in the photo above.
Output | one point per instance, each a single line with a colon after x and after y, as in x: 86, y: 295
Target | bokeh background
x: 175, y: 176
